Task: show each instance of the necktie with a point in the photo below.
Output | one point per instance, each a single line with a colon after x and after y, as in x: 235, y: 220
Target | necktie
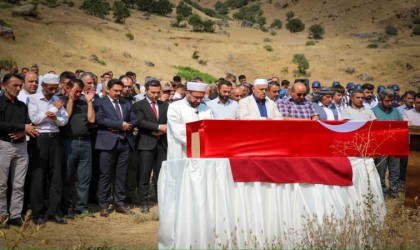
x: 117, y: 108
x: 155, y: 110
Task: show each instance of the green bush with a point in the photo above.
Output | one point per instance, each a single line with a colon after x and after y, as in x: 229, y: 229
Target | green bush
x: 199, y: 25
x: 5, y: 5
x: 69, y: 3
x: 130, y: 3
x: 302, y: 64
x: 183, y: 10
x: 207, y: 11
x: 290, y: 15
x: 391, y: 30
x: 6, y: 63
x: 249, y: 13
x: 130, y: 36
x: 102, y: 62
x: 221, y: 8
x: 416, y: 20
x: 189, y: 73
x: 120, y: 11
x: 98, y: 8
x: 268, y: 48
x: 159, y: 7
x: 3, y: 23
x: 276, y: 23
x: 295, y: 25
x: 416, y: 30
x: 310, y: 43
x: 316, y: 31
x: 372, y: 46
x: 52, y: 3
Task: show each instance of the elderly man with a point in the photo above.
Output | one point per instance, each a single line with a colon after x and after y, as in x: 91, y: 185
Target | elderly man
x: 47, y: 112
x: 222, y: 106
x: 385, y: 111
x: 357, y: 111
x: 180, y: 112
x: 236, y: 94
x: 296, y: 106
x: 273, y: 90
x: 258, y: 105
x: 14, y: 159
x: 322, y: 103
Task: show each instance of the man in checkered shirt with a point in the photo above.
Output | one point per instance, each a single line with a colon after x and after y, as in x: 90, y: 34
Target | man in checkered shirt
x: 296, y: 106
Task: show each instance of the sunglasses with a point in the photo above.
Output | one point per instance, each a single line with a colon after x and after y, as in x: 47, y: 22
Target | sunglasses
x: 301, y: 94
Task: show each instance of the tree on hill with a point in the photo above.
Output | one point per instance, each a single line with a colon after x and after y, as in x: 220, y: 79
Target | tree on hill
x: 99, y: 8
x: 183, y: 10
x: 276, y: 23
x: 160, y: 7
x: 295, y: 25
x: 199, y: 25
x: 316, y: 31
x: 302, y: 64
x: 290, y: 15
x: 130, y: 3
x: 120, y: 11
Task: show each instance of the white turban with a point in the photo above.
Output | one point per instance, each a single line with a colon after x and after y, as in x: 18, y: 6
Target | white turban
x: 196, y: 86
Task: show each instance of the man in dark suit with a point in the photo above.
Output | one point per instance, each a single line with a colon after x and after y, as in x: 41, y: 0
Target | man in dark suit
x: 114, y: 141
x: 153, y: 144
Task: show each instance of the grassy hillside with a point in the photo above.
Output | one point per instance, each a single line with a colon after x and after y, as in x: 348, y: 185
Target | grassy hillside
x: 64, y: 38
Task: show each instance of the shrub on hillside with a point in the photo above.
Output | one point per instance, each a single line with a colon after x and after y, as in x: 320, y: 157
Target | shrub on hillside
x: 6, y: 63
x: 391, y: 30
x: 221, y: 8
x: 159, y: 7
x: 99, y: 8
x: 3, y: 23
x: 13, y: 1
x: 290, y: 15
x: 295, y: 25
x: 276, y: 23
x: 372, y: 46
x: 189, y: 73
x: 316, y: 31
x: 416, y: 30
x: 130, y: 36
x: 310, y: 43
x: 130, y: 3
x: 183, y: 10
x: 302, y: 64
x: 120, y: 11
x: 249, y: 13
x: 199, y: 25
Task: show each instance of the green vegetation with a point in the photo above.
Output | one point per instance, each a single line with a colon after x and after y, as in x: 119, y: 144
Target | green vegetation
x: 183, y: 10
x: 391, y: 30
x: 223, y: 8
x: 120, y: 12
x: 12, y: 1
x: 159, y: 7
x: 290, y: 15
x: 6, y: 63
x: 52, y: 3
x: 276, y: 23
x: 295, y: 25
x: 268, y: 48
x: 207, y: 11
x: 316, y: 31
x: 3, y: 23
x: 416, y: 30
x: 189, y: 73
x: 98, y: 8
x: 251, y: 13
x: 130, y: 36
x: 69, y: 3
x: 5, y: 5
x: 310, y: 43
x: 199, y: 25
x: 302, y: 64
x: 416, y: 20
x: 102, y: 62
x: 372, y: 46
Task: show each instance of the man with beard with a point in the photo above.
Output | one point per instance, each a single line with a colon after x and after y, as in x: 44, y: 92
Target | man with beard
x: 258, y: 105
x: 370, y: 99
x: 408, y: 98
x: 222, y: 107
x: 188, y: 109
x: 128, y: 89
x: 47, y: 112
x: 357, y: 111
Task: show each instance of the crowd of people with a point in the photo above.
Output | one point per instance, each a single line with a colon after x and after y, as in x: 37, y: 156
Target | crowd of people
x: 74, y: 138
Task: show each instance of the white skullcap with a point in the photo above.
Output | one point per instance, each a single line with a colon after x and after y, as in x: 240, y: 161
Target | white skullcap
x: 51, y: 79
x: 260, y: 82
x: 196, y: 86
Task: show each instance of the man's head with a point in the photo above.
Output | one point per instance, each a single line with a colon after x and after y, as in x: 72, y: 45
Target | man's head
x: 195, y: 93
x: 75, y: 85
x: 368, y: 91
x: 177, y: 79
x: 417, y: 102
x: 316, y: 86
x: 79, y: 72
x: 298, y: 92
x: 115, y: 88
x: 128, y: 86
x: 35, y: 68
x: 12, y: 84
x: 325, y: 96
x: 408, y: 98
x: 386, y: 96
x: 357, y: 97
x: 31, y: 82
x: 349, y: 87
x: 24, y: 71
x: 260, y: 89
x: 242, y: 79
x: 90, y: 80
x: 106, y: 77
x: 236, y: 94
x: 153, y: 90
x: 231, y: 78
x: 65, y: 78
x: 273, y: 90
x: 395, y: 88
x: 50, y: 84
x: 224, y: 87
x: 339, y: 94
x: 285, y: 84
x: 14, y: 69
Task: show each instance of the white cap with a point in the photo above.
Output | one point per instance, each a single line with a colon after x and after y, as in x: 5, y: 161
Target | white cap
x: 196, y: 86
x: 260, y: 82
x: 51, y: 79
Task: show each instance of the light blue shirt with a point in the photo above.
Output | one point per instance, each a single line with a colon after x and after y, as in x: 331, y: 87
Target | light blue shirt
x: 402, y: 109
x: 223, y: 110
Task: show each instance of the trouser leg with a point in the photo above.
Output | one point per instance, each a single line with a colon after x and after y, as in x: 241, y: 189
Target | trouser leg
x: 107, y: 159
x: 394, y: 174
x: 84, y: 173
x: 55, y: 177
x: 121, y: 172
x: 7, y: 154
x: 40, y: 152
x: 381, y: 165
x: 147, y: 159
x: 18, y: 173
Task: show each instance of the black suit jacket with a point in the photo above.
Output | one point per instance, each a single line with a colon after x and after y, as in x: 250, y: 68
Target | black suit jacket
x: 148, y: 123
x: 108, y: 122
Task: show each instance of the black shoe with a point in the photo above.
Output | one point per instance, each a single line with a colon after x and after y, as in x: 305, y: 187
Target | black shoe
x: 145, y: 209
x: 38, y: 221
x: 70, y: 215
x: 57, y: 219
x: 84, y: 213
x: 17, y: 222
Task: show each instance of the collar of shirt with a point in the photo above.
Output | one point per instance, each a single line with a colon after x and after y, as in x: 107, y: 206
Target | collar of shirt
x: 362, y: 108
x: 150, y: 101
x: 386, y: 112
x: 112, y: 100
x: 229, y: 101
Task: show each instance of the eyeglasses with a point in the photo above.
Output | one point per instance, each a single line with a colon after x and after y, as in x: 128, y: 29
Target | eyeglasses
x: 301, y: 94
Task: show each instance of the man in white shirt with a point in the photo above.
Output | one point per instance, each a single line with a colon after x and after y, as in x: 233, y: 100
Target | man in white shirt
x: 46, y: 111
x: 188, y: 109
x: 223, y: 107
x: 29, y: 87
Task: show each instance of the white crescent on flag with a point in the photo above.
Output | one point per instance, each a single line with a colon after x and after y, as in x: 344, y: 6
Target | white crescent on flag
x: 349, y: 126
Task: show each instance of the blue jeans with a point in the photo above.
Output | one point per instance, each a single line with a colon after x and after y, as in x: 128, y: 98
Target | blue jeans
x: 79, y: 159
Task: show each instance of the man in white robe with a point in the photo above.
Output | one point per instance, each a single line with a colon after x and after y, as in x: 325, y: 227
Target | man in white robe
x: 188, y: 109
